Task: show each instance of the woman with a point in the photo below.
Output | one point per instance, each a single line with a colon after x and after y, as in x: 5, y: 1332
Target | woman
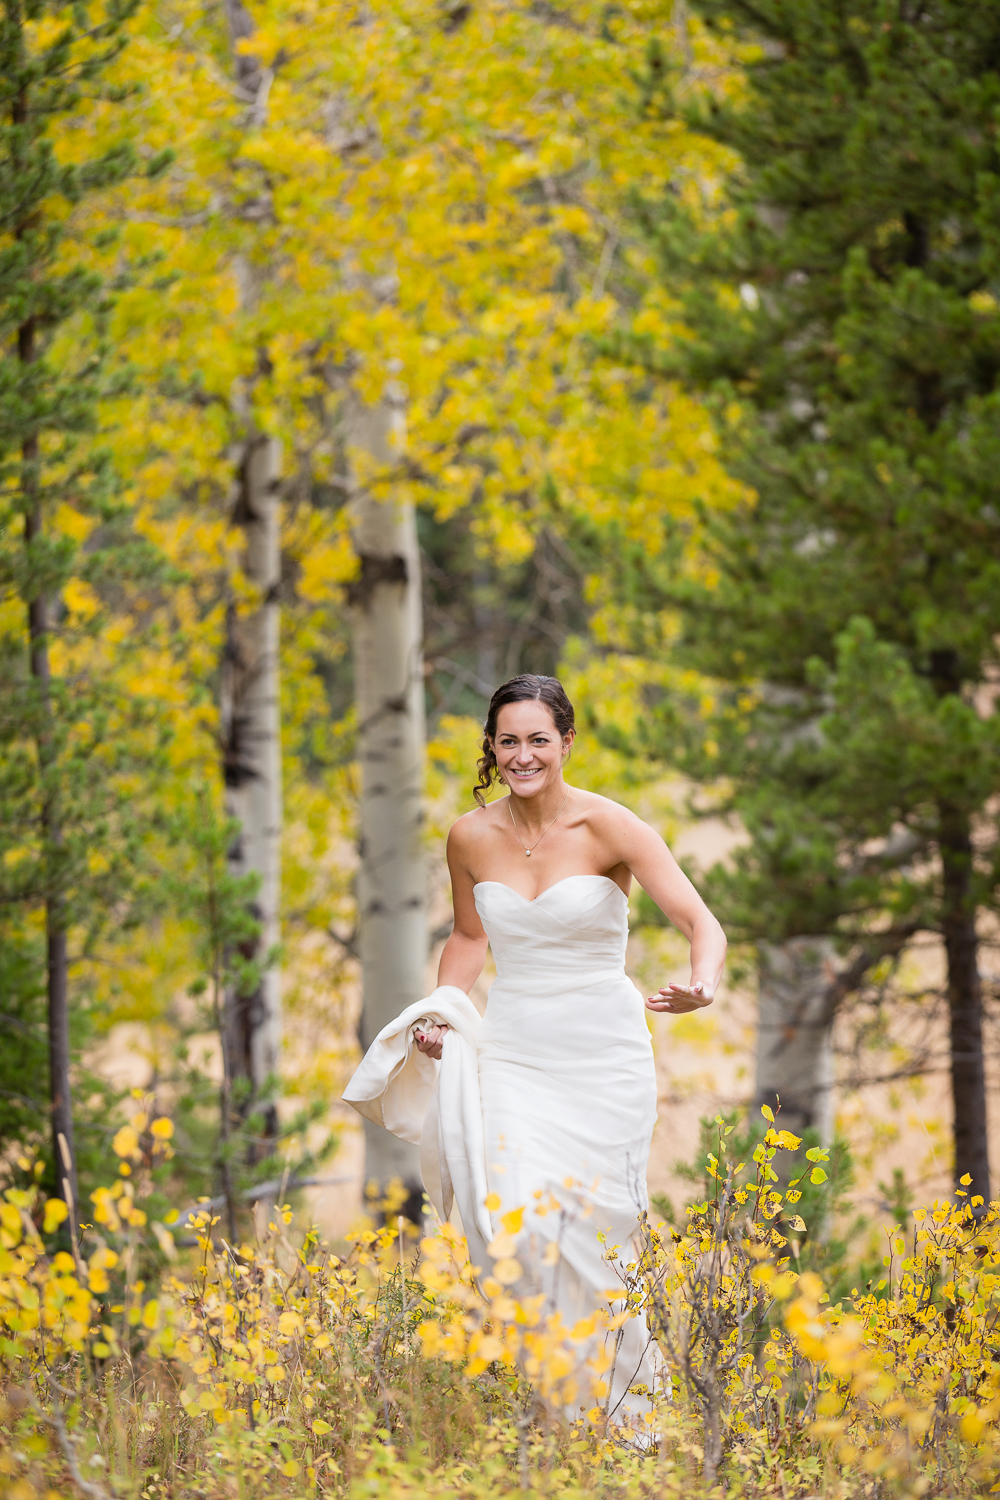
x: 565, y: 1078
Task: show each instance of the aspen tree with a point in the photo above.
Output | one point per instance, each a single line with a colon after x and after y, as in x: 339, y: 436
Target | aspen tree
x: 250, y: 705
x: 477, y: 163
x: 389, y: 685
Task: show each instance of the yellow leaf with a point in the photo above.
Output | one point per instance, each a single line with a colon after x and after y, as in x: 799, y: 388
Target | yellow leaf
x: 55, y: 1213
x: 126, y: 1142
x: 767, y: 1112
x: 972, y: 1426
x: 492, y: 1202
x: 512, y: 1221
x: 508, y: 1271
x: 11, y: 1221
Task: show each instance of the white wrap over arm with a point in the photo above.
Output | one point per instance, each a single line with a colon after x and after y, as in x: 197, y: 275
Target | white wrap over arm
x: 435, y: 1105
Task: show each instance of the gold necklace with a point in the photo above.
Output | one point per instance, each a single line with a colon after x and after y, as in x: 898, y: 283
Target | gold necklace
x: 544, y: 831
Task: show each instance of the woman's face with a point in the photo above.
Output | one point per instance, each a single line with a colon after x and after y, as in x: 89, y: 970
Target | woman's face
x: 528, y: 747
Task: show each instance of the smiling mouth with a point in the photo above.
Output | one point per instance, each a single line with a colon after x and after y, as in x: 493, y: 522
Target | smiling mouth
x: 534, y: 771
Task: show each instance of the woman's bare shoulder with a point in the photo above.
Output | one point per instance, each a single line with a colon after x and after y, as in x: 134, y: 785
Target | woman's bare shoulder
x: 468, y: 831
x: 616, y: 829
x: 603, y: 812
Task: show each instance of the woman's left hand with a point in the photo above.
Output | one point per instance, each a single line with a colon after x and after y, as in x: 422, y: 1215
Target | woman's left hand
x: 429, y: 1041
x: 678, y: 999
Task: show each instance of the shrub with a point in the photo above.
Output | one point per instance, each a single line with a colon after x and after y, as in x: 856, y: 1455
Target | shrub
x: 281, y: 1370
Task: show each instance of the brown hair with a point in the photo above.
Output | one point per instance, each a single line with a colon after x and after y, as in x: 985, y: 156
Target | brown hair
x: 523, y: 689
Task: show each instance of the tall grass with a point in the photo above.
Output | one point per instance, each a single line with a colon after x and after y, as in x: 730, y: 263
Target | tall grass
x: 290, y: 1370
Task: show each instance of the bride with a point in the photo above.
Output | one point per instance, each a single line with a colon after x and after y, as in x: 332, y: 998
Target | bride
x: 548, y: 1103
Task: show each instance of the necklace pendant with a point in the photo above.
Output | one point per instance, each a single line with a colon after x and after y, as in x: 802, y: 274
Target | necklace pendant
x: 528, y: 853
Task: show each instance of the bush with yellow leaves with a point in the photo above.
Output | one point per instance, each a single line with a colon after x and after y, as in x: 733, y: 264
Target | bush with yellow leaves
x: 290, y: 1370
x: 900, y: 1387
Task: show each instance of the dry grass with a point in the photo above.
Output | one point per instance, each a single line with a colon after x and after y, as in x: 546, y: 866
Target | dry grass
x: 276, y: 1370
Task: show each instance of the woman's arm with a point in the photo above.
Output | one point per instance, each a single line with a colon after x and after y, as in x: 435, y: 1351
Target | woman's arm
x: 462, y: 959
x: 464, y: 953
x: 663, y: 880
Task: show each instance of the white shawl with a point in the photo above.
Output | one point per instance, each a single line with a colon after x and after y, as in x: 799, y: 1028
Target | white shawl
x: 435, y: 1105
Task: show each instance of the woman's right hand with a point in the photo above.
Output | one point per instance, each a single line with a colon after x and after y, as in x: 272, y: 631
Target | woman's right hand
x: 680, y: 999
x: 429, y: 1041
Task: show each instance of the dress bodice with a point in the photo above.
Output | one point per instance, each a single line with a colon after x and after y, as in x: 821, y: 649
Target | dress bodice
x: 576, y: 928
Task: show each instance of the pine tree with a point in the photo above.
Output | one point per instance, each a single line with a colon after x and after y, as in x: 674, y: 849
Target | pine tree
x: 839, y: 304
x: 65, y: 545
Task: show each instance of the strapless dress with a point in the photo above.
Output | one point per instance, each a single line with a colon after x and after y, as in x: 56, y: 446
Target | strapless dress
x: 568, y: 1093
x: 547, y: 1104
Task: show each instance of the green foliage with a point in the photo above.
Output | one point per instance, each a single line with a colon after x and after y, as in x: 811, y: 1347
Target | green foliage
x: 24, y: 1082
x: 488, y: 617
x: 839, y: 310
x: 855, y: 388
x: 220, y: 1124
x: 24, y: 1068
x: 75, y: 735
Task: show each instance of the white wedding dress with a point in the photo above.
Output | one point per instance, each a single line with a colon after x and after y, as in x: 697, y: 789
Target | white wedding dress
x: 550, y: 1099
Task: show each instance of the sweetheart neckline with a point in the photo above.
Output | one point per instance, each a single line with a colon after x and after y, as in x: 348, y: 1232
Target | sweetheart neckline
x: 530, y: 900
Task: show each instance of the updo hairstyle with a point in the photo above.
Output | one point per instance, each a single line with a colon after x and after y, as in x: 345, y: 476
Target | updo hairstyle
x: 523, y: 689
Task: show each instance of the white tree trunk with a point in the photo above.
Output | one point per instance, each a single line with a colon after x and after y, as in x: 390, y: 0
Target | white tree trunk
x: 252, y: 729
x: 251, y: 682
x: 798, y: 980
x: 389, y: 690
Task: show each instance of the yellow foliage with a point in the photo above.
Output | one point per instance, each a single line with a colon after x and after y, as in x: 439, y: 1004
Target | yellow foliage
x: 442, y: 205
x: 512, y: 1221
x: 311, y: 1357
x: 126, y: 1142
x: 56, y: 1213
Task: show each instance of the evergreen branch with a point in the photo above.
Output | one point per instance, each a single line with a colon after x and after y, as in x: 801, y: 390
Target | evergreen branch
x: 35, y: 1104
